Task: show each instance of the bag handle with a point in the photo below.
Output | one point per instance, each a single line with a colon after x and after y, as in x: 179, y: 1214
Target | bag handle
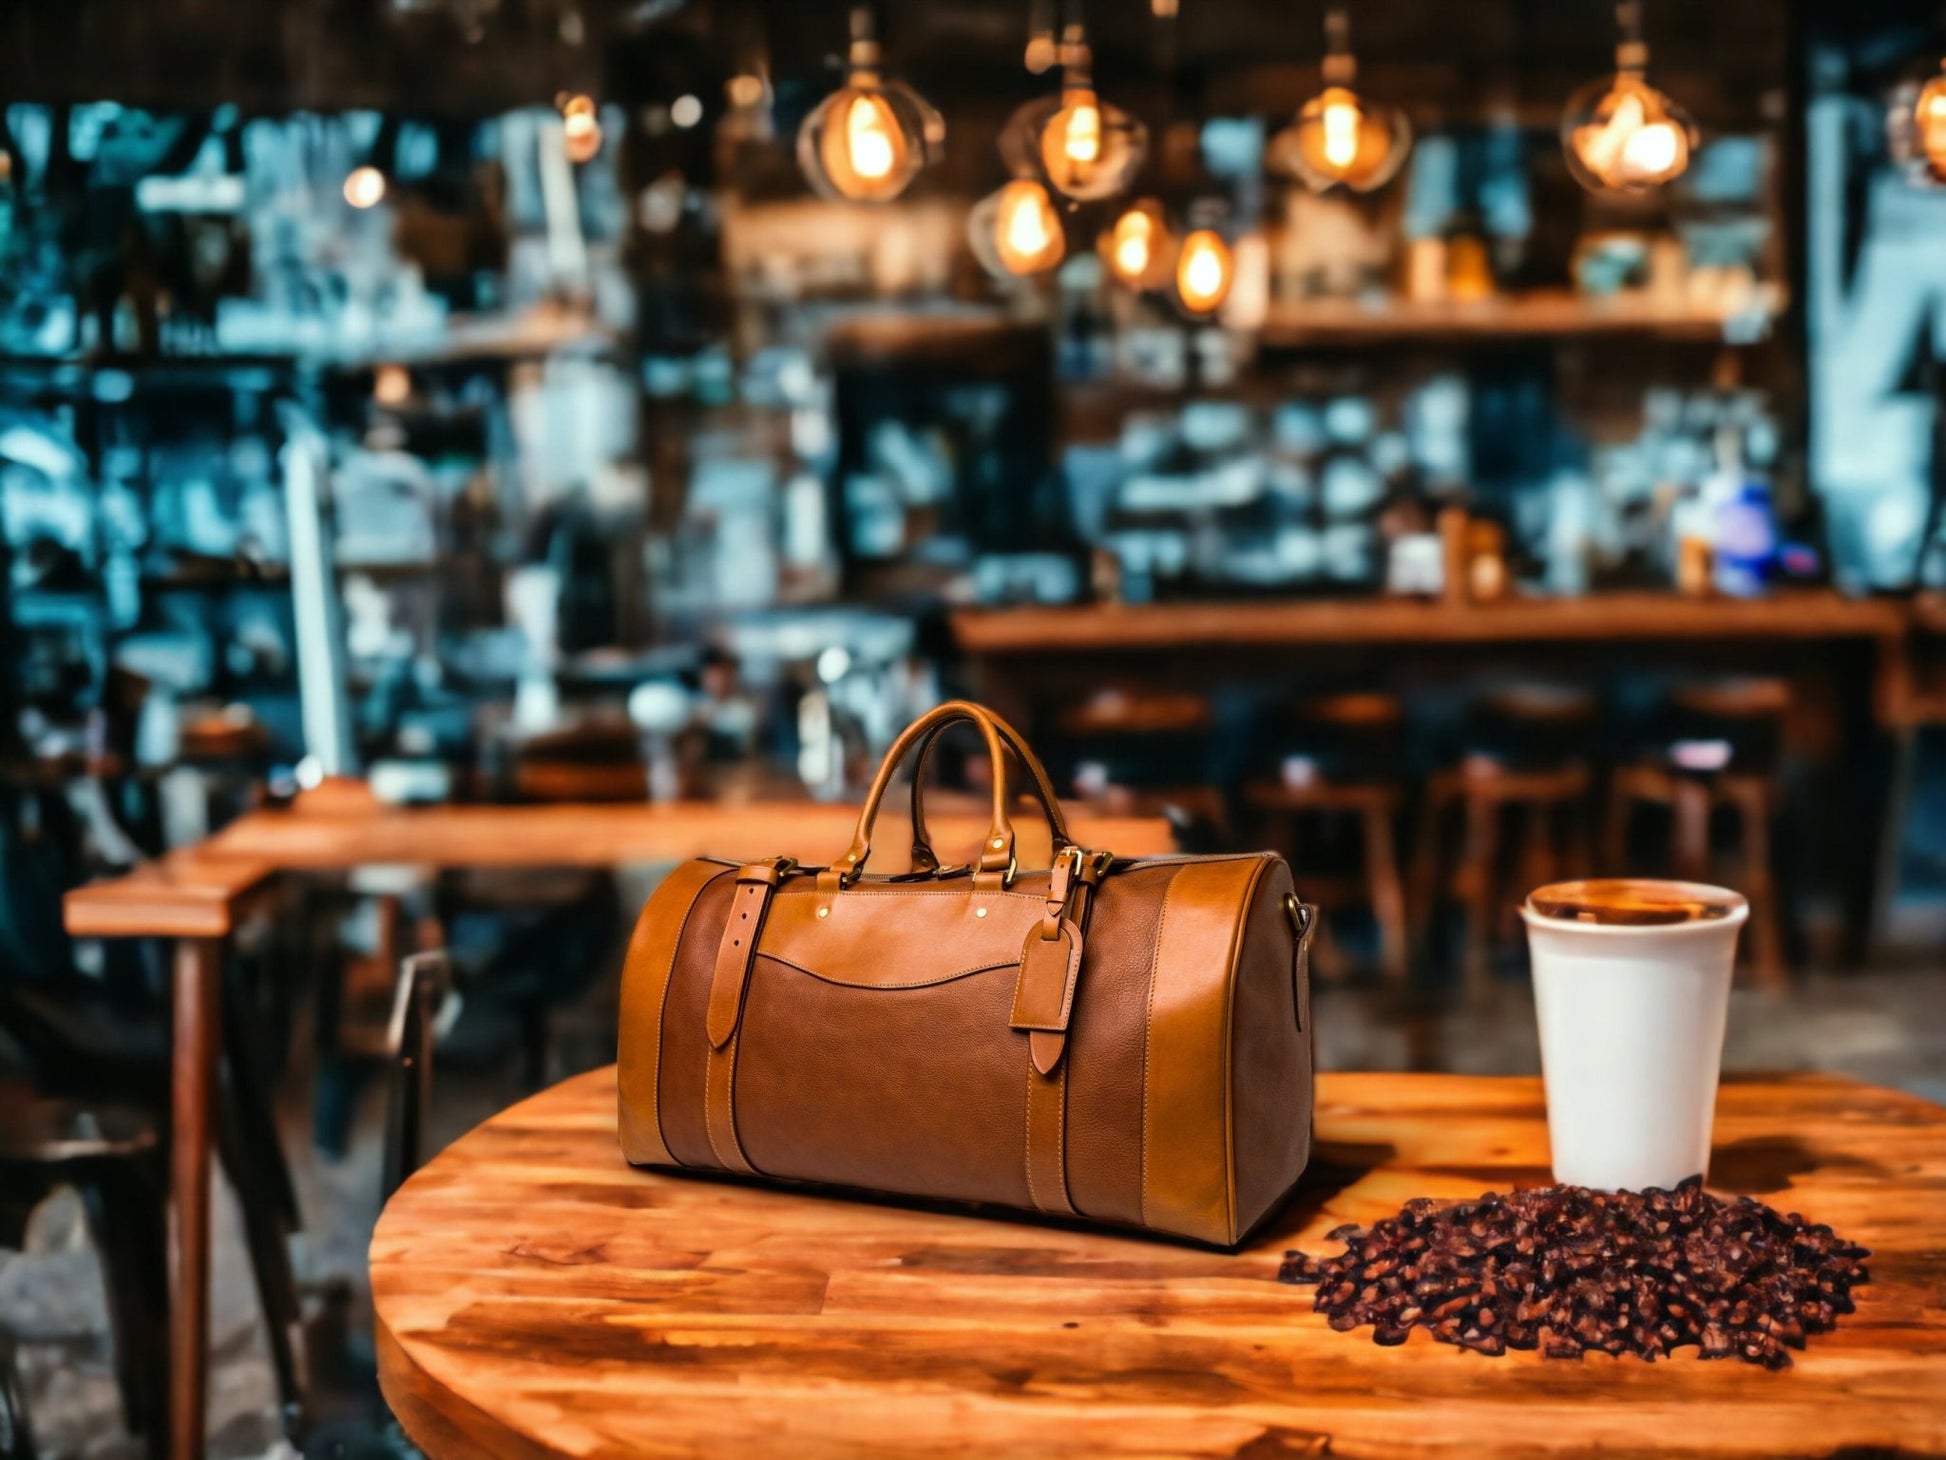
x: 924, y: 859
x: 996, y: 859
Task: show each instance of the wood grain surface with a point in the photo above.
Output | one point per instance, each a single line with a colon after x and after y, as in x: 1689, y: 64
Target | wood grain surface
x: 535, y: 1296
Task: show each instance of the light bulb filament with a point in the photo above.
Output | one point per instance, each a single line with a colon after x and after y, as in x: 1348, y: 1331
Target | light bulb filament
x: 868, y: 140
x: 1342, y: 121
x: 1083, y: 141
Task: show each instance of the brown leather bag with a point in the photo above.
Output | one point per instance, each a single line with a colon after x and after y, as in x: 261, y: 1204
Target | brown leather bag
x: 1125, y: 1041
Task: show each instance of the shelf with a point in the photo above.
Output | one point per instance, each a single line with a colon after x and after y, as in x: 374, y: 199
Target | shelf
x: 1810, y: 614
x: 1541, y: 314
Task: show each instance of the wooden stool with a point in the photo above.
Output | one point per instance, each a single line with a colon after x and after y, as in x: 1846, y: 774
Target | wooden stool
x: 1345, y: 789
x: 1529, y: 767
x: 1123, y: 729
x: 1721, y: 758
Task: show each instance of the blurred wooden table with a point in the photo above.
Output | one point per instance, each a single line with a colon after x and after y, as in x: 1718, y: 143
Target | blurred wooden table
x: 536, y: 1296
x: 198, y: 897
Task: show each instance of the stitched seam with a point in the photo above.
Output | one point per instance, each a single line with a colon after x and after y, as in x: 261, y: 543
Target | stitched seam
x: 669, y: 977
x: 1061, y: 1134
x: 1032, y: 1195
x: 884, y: 987
x: 1148, y: 1036
x: 730, y: 1103
x: 856, y: 890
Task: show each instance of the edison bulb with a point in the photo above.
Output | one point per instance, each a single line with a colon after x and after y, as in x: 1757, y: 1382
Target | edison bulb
x: 1341, y: 139
x: 1622, y: 135
x: 1929, y: 120
x: 864, y: 142
x: 1204, y: 271
x: 1138, y: 248
x: 364, y: 187
x: 1082, y: 146
x: 869, y: 138
x: 1017, y: 231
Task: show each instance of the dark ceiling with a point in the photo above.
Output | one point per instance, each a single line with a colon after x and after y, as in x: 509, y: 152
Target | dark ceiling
x: 1730, y: 57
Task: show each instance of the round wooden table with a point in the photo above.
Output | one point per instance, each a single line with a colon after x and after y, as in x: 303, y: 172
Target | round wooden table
x: 536, y: 1296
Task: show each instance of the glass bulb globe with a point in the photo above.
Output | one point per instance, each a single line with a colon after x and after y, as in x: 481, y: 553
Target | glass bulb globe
x: 1929, y: 124
x: 1138, y: 247
x: 1621, y: 135
x: 1016, y: 231
x: 1205, y: 270
x: 1084, y: 147
x: 1340, y: 139
x: 866, y: 141
x: 364, y: 187
x: 580, y: 129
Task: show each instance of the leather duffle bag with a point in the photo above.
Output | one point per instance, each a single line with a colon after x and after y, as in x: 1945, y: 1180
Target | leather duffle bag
x: 1126, y: 1041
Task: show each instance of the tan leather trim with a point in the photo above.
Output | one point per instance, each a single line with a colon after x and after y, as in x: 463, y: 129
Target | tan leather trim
x: 1047, y: 1157
x: 719, y: 1110
x: 645, y: 984
x: 1187, y: 1177
x: 881, y: 984
x: 742, y: 926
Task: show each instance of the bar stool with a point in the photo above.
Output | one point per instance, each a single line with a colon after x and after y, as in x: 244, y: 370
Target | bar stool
x: 1717, y: 752
x: 1339, y: 776
x: 1526, y: 762
x: 112, y: 1156
x: 1129, y: 749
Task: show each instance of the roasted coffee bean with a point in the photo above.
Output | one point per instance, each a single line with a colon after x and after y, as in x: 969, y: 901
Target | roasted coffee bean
x: 1568, y: 1271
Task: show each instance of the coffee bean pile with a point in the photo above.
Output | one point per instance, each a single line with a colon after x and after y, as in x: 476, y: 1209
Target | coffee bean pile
x: 1570, y: 1271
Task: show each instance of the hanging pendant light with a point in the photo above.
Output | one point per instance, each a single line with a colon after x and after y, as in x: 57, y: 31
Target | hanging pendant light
x: 1341, y: 139
x: 1205, y: 270
x: 1017, y: 231
x: 1084, y: 147
x: 868, y: 139
x: 1138, y: 247
x: 1620, y: 134
x: 1916, y: 128
x: 580, y: 128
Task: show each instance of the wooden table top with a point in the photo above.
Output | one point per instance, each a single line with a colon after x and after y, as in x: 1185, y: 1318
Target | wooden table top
x: 1609, y: 617
x: 536, y: 1296
x: 195, y: 893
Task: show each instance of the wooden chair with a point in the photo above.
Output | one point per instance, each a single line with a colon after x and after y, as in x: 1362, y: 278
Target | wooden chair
x: 1348, y: 746
x: 1137, y: 743
x: 16, y: 1435
x: 1526, y: 767
x: 112, y: 1156
x: 1716, y: 760
x: 423, y: 981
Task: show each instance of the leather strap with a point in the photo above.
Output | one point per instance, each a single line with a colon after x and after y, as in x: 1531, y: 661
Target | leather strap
x: 1043, y: 1003
x: 734, y: 956
x: 738, y: 948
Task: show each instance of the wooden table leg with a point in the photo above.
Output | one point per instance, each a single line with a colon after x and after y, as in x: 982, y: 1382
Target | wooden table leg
x: 197, y: 988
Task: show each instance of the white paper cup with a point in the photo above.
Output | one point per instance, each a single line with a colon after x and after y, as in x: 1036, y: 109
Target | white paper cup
x: 1631, y: 1020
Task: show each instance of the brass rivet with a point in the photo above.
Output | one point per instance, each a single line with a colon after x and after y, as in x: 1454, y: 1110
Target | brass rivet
x: 824, y: 912
x: 979, y: 912
x: 998, y: 842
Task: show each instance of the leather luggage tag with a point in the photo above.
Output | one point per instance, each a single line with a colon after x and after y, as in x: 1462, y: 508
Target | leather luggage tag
x: 1044, y: 993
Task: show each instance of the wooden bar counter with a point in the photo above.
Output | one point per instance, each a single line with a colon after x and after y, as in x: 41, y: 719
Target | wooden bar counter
x: 535, y: 1296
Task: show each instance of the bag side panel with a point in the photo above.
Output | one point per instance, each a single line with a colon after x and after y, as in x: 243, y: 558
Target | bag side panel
x: 652, y: 952
x: 1270, y: 1060
x: 1186, y: 1117
x: 1106, y: 1043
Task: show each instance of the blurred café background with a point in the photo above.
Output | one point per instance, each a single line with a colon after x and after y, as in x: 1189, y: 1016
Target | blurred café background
x: 1458, y: 446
